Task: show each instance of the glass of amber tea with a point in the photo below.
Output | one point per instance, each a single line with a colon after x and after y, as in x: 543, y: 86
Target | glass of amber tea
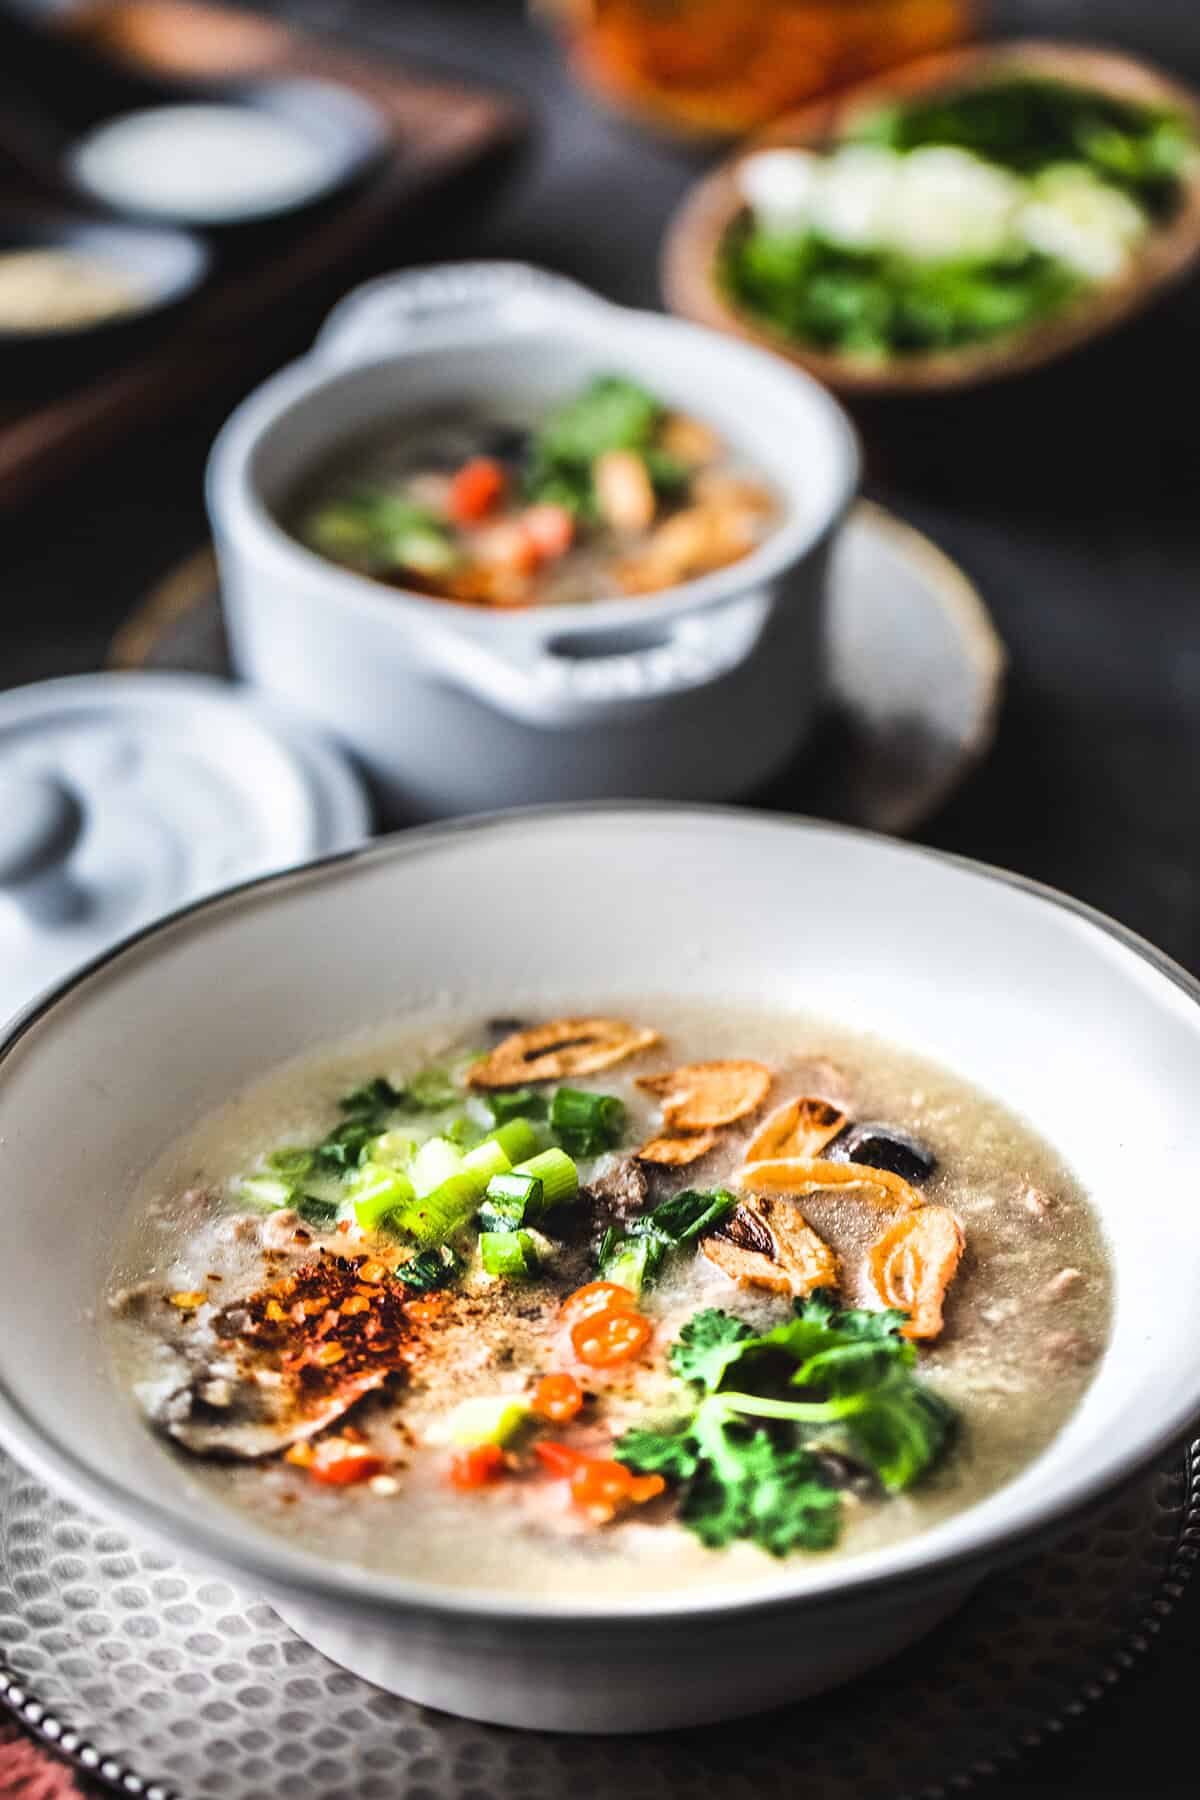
x: 722, y: 67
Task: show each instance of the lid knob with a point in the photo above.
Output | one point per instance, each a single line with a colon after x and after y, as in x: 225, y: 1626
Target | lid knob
x: 41, y: 820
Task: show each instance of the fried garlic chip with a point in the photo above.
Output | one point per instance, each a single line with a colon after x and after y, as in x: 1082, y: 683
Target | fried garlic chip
x: 700, y: 1096
x: 768, y: 1243
x: 677, y: 1152
x: 561, y: 1048
x: 809, y: 1176
x: 914, y: 1263
x: 800, y: 1129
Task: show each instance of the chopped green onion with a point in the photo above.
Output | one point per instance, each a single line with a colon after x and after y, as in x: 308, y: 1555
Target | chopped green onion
x: 463, y: 1131
x: 586, y: 1124
x: 315, y: 1211
x: 487, y: 1419
x: 375, y: 1096
x: 344, y: 1146
x: 487, y: 1159
x: 435, y: 1162
x: 634, y: 1255
x: 556, y: 1172
x: 630, y: 1262
x: 430, y: 1269
x: 395, y: 1149
x: 511, y: 1201
x: 266, y: 1192
x: 515, y: 1103
x: 378, y: 1190
x: 432, y: 1217
x: 292, y: 1163
x: 430, y: 1091
x: 508, y: 1254
x: 518, y: 1138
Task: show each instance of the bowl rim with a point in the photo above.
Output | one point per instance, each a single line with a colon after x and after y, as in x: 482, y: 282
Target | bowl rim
x: 239, y: 513
x: 275, y: 1564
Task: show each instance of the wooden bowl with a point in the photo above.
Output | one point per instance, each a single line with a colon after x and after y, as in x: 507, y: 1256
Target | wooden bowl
x: 1169, y: 251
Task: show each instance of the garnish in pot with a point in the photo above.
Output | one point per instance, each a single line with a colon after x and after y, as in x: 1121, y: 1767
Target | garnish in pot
x: 744, y: 1458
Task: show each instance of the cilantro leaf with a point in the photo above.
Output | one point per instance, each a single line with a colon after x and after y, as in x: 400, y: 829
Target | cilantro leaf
x: 745, y: 1455
x: 764, y: 1491
x: 901, y: 1431
x: 706, y: 1347
x: 672, y: 1453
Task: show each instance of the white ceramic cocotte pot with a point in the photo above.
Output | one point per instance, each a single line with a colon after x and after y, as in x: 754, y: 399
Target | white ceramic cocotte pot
x: 696, y: 693
x: 1063, y: 1016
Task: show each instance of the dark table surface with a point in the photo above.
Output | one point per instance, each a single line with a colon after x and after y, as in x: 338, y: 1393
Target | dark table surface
x: 1072, y: 500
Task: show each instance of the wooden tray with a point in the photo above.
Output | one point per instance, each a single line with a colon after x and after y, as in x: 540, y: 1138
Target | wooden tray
x: 243, y: 319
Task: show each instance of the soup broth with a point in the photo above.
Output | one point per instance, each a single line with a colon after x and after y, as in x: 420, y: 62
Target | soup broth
x: 609, y: 494
x: 506, y: 1432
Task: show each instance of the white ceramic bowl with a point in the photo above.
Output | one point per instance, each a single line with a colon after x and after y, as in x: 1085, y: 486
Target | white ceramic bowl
x: 696, y: 693
x: 1087, y: 1032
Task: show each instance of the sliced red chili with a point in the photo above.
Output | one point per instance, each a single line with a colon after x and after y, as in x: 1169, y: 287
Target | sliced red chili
x: 597, y: 1296
x: 476, y: 1467
x: 557, y: 1398
x: 604, y: 1339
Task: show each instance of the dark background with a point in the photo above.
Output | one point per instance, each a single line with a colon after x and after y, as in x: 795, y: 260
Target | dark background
x: 1071, y: 499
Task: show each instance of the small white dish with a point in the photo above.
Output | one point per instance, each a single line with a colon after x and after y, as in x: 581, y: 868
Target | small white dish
x: 248, y: 154
x: 1060, y: 1014
x: 699, y: 692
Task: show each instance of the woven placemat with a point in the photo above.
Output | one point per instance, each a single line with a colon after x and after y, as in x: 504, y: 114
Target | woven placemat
x: 161, y: 1681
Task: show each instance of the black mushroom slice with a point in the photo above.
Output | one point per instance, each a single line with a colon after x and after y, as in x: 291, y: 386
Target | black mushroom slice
x: 882, y: 1147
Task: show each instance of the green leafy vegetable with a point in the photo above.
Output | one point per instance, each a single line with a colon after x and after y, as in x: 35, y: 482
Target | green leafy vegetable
x: 375, y: 530
x: 635, y: 1254
x: 430, y: 1269
x: 515, y: 1103
x: 374, y: 1098
x: 586, y: 1124
x: 292, y: 1164
x: 611, y: 413
x: 879, y: 303
x: 747, y: 1458
x: 1028, y: 123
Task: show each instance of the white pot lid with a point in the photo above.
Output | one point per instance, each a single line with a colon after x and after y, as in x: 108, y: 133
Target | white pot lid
x: 125, y: 796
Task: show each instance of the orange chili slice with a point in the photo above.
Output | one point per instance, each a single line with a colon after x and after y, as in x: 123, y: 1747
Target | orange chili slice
x: 557, y: 1397
x: 800, y: 1128
x: 604, y: 1339
x: 599, y: 1487
x: 476, y: 490
x: 914, y: 1263
x: 563, y: 1047
x: 801, y: 1176
x: 677, y: 1152
x: 699, y: 1096
x: 342, y: 1462
x: 597, y: 1296
x: 476, y: 1467
x: 559, y: 1459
